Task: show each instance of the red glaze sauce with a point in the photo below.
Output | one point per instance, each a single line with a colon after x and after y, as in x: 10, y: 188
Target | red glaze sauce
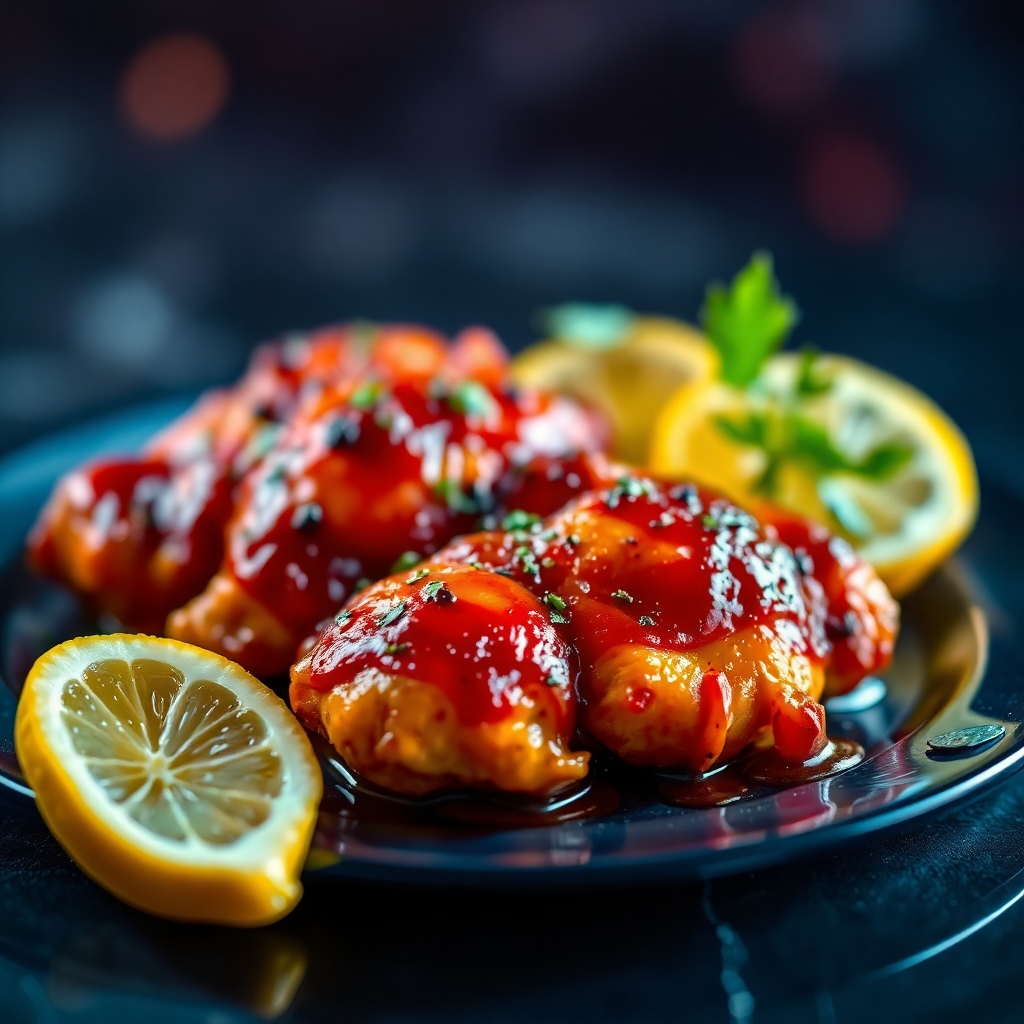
x: 863, y: 618
x: 482, y: 640
x: 142, y: 554
x: 366, y: 473
x: 144, y: 533
x: 664, y: 566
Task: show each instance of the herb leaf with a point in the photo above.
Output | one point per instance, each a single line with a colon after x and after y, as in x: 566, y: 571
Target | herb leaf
x: 392, y: 615
x: 471, y: 398
x: 809, y: 382
x: 749, y: 320
x: 518, y: 519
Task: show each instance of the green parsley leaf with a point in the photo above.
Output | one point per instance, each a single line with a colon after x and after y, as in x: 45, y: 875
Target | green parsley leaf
x: 750, y: 429
x: 809, y: 382
x: 418, y: 575
x: 588, y: 327
x: 749, y: 320
x: 554, y: 601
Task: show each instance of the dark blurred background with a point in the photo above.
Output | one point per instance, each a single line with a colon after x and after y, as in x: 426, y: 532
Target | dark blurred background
x: 179, y: 180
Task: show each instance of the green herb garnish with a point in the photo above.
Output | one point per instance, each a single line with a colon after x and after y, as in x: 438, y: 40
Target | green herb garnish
x: 392, y: 615
x: 748, y: 321
x: 437, y: 591
x: 646, y: 620
x: 418, y: 575
x: 471, y: 398
x: 365, y: 396
x: 518, y: 519
x: 623, y: 595
x: 787, y: 436
x: 452, y: 494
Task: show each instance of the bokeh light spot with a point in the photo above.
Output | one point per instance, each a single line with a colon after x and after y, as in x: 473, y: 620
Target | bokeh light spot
x: 782, y: 63
x: 852, y: 189
x: 174, y: 86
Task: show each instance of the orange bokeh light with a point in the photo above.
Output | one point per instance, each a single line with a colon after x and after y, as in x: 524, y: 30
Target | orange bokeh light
x: 174, y: 86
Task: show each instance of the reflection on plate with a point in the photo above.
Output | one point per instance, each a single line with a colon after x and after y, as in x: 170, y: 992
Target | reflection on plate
x: 945, y: 677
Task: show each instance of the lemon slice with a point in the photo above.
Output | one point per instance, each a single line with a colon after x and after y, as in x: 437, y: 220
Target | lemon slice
x: 171, y: 776
x: 887, y: 468
x: 625, y: 366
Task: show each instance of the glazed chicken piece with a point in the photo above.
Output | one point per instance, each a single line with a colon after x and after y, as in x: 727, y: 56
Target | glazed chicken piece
x: 442, y: 678
x: 698, y: 630
x: 140, y: 536
x: 362, y: 474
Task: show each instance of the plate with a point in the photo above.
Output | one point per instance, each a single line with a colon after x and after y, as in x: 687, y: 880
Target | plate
x: 957, y: 667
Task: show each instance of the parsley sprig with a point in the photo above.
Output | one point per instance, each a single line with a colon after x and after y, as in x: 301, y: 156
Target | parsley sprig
x: 749, y: 320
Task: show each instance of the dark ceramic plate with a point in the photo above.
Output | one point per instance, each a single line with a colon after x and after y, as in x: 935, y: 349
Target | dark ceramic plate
x: 957, y: 667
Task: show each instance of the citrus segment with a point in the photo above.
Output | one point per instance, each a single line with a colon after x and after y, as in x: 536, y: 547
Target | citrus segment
x: 174, y: 778
x: 863, y: 453
x: 628, y: 378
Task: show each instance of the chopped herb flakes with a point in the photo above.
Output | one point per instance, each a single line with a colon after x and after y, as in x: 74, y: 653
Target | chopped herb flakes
x: 365, y: 396
x: 437, y: 591
x: 623, y: 595
x: 396, y: 648
x: 519, y: 520
x: 646, y: 620
x: 392, y: 615
x: 343, y: 616
x: 559, y: 619
x: 418, y: 575
x: 628, y: 487
x: 554, y: 601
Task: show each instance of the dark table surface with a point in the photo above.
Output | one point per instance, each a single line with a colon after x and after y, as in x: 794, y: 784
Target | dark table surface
x: 461, y: 162
x: 923, y: 924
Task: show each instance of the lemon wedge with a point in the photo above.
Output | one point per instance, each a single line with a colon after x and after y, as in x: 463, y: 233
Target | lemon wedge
x: 626, y: 366
x: 859, y: 451
x: 173, y: 778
